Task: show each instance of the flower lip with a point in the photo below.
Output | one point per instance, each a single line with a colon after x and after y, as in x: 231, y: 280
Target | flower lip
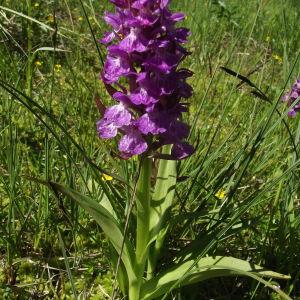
x: 116, y: 65
x: 106, y: 129
x: 118, y: 115
x: 132, y: 143
x: 134, y: 41
x: 142, y: 96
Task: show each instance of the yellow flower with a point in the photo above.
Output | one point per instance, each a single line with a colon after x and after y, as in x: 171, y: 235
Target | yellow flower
x: 50, y: 19
x: 57, y: 68
x: 38, y: 63
x: 268, y: 39
x: 36, y: 5
x: 106, y: 177
x: 80, y: 19
x: 277, y: 57
x: 220, y: 194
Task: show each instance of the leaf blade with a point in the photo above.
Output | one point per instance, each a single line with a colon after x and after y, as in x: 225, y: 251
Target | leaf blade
x: 205, y: 268
x: 107, y: 222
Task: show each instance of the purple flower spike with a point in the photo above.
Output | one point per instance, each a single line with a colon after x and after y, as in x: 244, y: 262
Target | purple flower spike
x: 293, y: 99
x: 143, y: 76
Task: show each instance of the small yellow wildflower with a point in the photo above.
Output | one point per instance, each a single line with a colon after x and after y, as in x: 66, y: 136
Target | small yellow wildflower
x: 106, y: 177
x: 80, y: 19
x: 221, y: 194
x: 36, y: 5
x: 57, y: 68
x: 38, y: 63
x: 268, y: 39
x: 277, y: 57
x: 50, y: 19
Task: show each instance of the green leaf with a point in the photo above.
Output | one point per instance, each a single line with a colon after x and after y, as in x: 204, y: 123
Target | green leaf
x: 161, y: 204
x: 209, y: 267
x: 106, y: 221
x: 164, y: 190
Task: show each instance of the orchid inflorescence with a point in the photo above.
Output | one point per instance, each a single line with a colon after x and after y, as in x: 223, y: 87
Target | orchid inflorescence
x: 293, y: 99
x: 145, y: 48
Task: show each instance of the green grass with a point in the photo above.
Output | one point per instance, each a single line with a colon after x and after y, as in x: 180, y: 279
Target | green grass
x: 51, y: 249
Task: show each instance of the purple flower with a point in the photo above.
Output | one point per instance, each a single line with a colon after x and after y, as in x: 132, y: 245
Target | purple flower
x: 116, y: 65
x: 114, y: 118
x: 108, y: 37
x: 106, y: 129
x: 293, y: 99
x: 142, y: 74
x: 134, y: 41
x: 150, y: 123
x: 142, y: 96
x: 132, y: 143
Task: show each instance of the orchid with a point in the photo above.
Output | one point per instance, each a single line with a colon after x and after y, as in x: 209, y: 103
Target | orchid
x: 143, y: 77
x: 292, y: 98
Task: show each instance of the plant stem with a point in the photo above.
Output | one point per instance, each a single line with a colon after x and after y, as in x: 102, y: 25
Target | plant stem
x: 142, y: 230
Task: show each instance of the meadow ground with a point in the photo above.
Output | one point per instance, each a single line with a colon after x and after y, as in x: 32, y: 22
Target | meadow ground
x: 239, y: 191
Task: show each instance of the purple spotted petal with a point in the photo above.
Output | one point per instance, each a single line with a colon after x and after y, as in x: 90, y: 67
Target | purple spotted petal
x: 113, y: 20
x: 141, y: 96
x: 108, y: 38
x: 132, y: 143
x: 118, y: 115
x: 150, y: 123
x: 177, y: 17
x: 106, y: 129
x: 116, y: 65
x: 121, y: 97
x: 134, y: 42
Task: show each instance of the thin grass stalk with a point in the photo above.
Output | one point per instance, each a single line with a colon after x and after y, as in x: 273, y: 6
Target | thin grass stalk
x: 29, y: 50
x: 11, y: 242
x: 63, y: 249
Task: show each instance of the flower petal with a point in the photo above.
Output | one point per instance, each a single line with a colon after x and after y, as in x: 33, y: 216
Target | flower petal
x: 132, y: 143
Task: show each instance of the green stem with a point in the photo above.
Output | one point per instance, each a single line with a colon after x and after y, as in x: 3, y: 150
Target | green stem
x: 142, y: 230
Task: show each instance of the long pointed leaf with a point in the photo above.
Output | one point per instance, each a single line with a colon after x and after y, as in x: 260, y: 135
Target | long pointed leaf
x: 206, y: 268
x: 161, y: 204
x: 162, y: 198
x: 106, y: 221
